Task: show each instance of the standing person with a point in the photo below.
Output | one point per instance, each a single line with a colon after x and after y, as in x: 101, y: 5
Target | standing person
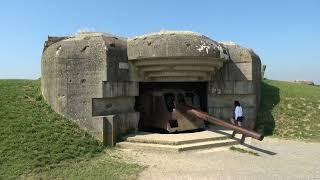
x: 238, y: 114
x: 238, y: 117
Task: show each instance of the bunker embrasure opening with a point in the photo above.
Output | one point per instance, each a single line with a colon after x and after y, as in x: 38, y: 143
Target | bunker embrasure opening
x: 157, y: 103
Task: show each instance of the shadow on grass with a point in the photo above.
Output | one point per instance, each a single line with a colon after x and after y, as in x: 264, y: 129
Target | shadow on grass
x: 269, y: 99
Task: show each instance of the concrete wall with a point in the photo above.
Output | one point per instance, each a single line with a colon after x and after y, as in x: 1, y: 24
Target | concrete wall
x: 78, y: 72
x: 239, y: 79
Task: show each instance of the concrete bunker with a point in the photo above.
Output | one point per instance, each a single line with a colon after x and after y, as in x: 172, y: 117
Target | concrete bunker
x: 111, y: 85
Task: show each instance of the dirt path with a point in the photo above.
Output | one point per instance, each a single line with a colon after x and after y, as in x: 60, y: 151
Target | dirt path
x: 279, y: 159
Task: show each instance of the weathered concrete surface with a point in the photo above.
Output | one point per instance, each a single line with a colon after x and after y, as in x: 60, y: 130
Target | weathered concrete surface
x: 213, y: 137
x: 239, y: 79
x: 79, y: 69
x: 174, y: 44
x: 175, y: 56
x: 93, y: 78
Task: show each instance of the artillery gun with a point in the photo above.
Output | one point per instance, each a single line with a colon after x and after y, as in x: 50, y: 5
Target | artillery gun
x: 179, y: 110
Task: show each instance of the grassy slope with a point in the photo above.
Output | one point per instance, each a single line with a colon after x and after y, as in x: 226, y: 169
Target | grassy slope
x: 34, y: 139
x: 290, y: 110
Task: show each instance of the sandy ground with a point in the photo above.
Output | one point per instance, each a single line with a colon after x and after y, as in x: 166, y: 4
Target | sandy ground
x: 278, y: 159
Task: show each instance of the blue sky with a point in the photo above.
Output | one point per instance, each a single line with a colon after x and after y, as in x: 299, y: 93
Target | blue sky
x: 285, y: 34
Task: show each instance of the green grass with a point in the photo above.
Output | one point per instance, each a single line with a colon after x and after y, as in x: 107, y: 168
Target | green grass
x: 105, y: 166
x: 289, y: 110
x: 243, y: 151
x: 35, y: 140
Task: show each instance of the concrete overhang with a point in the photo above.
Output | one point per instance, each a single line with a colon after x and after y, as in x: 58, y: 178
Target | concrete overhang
x: 175, y: 55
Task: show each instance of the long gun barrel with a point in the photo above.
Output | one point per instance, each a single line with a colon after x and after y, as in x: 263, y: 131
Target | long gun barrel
x: 198, y: 114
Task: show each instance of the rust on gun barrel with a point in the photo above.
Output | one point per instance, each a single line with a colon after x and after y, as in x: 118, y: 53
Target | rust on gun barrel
x: 204, y: 116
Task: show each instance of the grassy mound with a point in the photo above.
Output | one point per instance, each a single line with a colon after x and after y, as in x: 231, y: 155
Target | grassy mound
x: 34, y: 139
x: 289, y: 110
